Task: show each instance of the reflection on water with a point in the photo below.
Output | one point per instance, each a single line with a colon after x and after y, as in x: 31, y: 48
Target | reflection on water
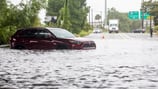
x: 107, y: 67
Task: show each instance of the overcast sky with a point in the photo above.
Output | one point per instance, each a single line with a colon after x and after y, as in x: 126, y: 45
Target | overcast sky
x: 120, y: 5
x: 99, y: 5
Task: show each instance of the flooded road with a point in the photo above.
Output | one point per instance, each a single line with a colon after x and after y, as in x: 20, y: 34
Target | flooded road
x: 121, y: 61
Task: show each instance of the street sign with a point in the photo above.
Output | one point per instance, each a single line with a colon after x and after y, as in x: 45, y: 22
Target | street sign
x: 146, y: 15
x: 133, y: 15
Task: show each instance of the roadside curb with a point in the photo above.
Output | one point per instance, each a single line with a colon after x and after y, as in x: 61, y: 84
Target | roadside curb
x: 4, y: 46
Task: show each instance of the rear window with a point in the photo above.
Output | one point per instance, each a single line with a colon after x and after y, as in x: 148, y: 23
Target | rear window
x: 33, y: 33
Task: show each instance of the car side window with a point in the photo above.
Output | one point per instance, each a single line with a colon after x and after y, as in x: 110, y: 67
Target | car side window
x: 42, y: 34
x: 27, y: 34
x: 34, y: 33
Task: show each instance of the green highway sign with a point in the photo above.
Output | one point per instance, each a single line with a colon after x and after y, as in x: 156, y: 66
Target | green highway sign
x: 146, y: 15
x: 133, y: 15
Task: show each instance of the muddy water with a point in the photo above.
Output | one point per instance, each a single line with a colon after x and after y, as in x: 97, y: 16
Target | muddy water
x: 115, y: 64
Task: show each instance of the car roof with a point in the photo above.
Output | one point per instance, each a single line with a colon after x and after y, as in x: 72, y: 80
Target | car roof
x: 38, y: 28
x: 30, y: 28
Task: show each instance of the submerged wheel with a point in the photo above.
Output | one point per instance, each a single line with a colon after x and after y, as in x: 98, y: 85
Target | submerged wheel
x: 19, y: 47
x: 62, y: 46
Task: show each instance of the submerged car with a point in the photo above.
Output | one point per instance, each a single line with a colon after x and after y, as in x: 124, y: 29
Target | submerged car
x: 48, y: 38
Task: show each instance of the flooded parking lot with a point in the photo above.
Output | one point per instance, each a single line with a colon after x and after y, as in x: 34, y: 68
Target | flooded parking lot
x: 121, y: 61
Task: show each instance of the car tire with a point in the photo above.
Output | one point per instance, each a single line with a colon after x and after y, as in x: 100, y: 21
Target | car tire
x: 19, y: 47
x: 62, y: 46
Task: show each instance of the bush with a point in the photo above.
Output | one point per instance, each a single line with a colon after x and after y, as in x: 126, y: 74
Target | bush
x: 3, y: 37
x: 5, y: 34
x: 156, y: 29
x: 84, y: 33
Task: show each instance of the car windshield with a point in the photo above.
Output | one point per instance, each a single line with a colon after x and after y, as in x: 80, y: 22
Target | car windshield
x: 61, y: 33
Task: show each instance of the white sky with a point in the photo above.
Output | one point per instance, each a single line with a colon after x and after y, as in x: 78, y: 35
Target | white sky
x: 120, y: 5
x: 99, y: 5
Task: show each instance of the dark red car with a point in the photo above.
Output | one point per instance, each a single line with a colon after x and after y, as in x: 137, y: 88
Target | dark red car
x: 48, y: 38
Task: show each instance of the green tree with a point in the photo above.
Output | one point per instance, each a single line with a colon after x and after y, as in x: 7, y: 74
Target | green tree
x: 135, y: 24
x: 77, y: 13
x: 18, y: 16
x: 66, y: 21
x: 55, y: 8
x: 4, y: 14
x: 28, y: 15
x: 97, y: 17
x: 152, y: 9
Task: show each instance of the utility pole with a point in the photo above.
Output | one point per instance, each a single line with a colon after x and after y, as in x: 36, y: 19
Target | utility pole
x: 92, y: 16
x: 105, y: 23
x: 101, y: 18
x: 89, y: 15
x: 142, y: 10
x: 66, y: 15
x: 151, y: 30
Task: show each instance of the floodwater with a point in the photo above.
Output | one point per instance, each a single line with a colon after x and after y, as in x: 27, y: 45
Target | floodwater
x: 121, y: 61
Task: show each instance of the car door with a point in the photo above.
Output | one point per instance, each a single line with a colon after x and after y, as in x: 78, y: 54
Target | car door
x: 45, y: 40
x: 27, y: 39
x: 34, y: 41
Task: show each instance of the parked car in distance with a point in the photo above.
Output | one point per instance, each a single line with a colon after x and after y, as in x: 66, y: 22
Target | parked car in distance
x: 138, y: 30
x: 48, y: 38
x: 97, y: 30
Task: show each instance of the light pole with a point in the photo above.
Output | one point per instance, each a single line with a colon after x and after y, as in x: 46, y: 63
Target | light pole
x: 92, y: 16
x: 105, y: 23
x: 151, y: 30
x: 101, y: 18
x: 66, y: 15
x: 142, y: 10
x: 89, y: 14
